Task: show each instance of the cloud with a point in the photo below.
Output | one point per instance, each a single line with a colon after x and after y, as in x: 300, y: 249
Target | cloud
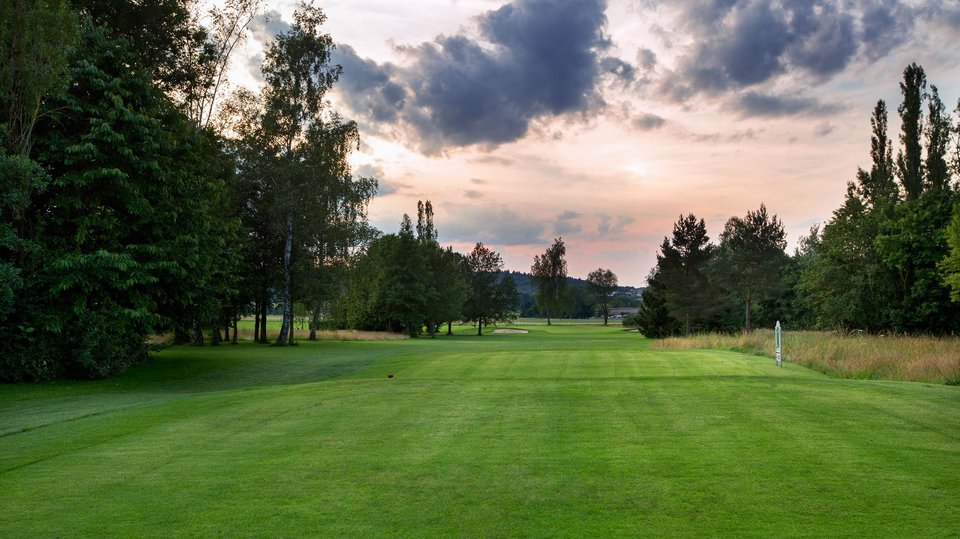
x: 752, y: 103
x: 565, y: 223
x: 740, y: 45
x: 530, y: 59
x: 884, y: 26
x: 647, y: 122
x: 473, y: 194
x: 492, y: 160
x: 384, y: 187
x: 824, y: 129
x: 268, y: 25
x: 612, y: 225
x: 646, y: 59
x: 714, y: 138
x: 367, y: 86
x: 490, y: 223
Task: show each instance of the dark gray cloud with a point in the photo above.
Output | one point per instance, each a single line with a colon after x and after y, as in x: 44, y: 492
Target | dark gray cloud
x: 885, y: 24
x: 744, y: 44
x: 367, y: 86
x: 752, y: 103
x: 532, y: 59
x: 825, y: 39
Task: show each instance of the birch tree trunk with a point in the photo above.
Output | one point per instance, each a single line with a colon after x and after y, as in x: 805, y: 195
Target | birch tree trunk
x: 286, y: 328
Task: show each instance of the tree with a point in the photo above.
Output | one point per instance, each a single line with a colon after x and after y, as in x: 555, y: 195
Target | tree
x: 398, y: 283
x: 653, y: 318
x: 874, y: 267
x: 446, y: 287
x: 950, y: 266
x: 296, y: 153
x: 939, y: 128
x: 602, y: 283
x: 878, y: 188
x: 912, y: 240
x: 36, y: 38
x: 171, y: 47
x: 909, y: 160
x: 550, y: 272
x: 229, y: 24
x: 129, y: 221
x: 449, y: 288
x: 426, y: 233
x: 680, y: 269
x: 751, y: 259
x: 493, y: 295
x: 912, y: 244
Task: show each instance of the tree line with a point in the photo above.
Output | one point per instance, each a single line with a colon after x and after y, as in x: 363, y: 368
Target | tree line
x: 888, y: 260
x: 406, y: 282
x: 138, y: 197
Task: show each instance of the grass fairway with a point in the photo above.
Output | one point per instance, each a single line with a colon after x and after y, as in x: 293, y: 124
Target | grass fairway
x: 563, y: 431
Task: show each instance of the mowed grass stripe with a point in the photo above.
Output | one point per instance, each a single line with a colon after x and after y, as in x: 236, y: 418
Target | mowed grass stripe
x: 463, y: 441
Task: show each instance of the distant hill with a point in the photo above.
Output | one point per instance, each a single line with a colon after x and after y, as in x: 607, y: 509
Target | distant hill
x: 583, y: 304
x: 527, y: 285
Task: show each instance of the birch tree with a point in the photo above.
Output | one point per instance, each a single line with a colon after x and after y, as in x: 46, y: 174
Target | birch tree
x: 295, y: 152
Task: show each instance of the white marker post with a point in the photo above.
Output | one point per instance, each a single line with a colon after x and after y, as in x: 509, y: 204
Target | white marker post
x: 779, y: 341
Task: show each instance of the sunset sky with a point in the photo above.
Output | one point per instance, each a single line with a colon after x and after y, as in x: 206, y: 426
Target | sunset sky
x: 602, y: 122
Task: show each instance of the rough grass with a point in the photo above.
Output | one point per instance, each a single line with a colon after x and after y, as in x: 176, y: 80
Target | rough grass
x: 855, y: 356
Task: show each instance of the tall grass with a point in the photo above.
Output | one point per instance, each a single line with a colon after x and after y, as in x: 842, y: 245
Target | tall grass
x: 326, y: 335
x: 858, y: 356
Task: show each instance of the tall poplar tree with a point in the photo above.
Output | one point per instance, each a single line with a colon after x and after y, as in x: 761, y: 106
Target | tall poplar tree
x: 910, y: 159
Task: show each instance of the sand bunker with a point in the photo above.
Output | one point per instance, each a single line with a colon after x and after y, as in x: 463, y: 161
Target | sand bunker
x: 502, y: 331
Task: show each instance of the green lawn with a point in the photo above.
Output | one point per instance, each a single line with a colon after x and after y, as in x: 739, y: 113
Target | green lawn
x: 565, y: 431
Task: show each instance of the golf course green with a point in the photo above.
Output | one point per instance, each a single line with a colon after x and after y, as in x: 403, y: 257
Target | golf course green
x: 565, y: 431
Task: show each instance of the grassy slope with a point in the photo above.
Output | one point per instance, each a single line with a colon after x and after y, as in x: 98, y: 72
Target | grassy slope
x: 564, y: 431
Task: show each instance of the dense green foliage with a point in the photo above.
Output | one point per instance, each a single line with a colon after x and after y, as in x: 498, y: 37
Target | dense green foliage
x: 123, y: 216
x: 951, y: 265
x: 882, y: 263
x: 682, y: 265
x: 602, y: 283
x: 550, y: 272
x: 122, y: 221
x: 492, y: 294
x: 405, y: 283
x: 565, y: 431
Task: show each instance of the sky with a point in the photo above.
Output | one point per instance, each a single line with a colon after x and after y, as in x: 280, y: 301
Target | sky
x: 602, y: 122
